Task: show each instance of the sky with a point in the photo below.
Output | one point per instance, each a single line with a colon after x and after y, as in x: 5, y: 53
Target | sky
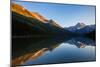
x: 64, y: 14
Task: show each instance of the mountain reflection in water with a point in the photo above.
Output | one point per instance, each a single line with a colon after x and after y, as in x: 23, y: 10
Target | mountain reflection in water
x: 22, y: 59
x: 27, y: 51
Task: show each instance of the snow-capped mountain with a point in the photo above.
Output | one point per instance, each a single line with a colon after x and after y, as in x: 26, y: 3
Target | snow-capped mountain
x: 81, y: 28
x: 80, y: 25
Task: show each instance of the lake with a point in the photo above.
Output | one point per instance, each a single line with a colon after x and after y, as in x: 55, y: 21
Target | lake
x: 52, y: 50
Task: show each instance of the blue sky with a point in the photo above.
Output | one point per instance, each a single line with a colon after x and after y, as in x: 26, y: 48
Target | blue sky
x: 65, y: 15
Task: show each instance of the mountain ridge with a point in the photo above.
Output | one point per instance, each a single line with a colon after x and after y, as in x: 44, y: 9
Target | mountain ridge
x: 23, y: 11
x: 24, y: 23
x: 81, y: 28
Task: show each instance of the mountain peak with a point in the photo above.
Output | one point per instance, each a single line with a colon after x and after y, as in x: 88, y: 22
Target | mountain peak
x: 80, y: 25
x: 51, y: 21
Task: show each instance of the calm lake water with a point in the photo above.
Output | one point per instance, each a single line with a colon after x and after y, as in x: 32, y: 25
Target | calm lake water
x: 50, y: 50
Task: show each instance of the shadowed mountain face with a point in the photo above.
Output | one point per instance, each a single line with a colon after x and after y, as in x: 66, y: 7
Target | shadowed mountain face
x: 25, y: 49
x: 29, y: 23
